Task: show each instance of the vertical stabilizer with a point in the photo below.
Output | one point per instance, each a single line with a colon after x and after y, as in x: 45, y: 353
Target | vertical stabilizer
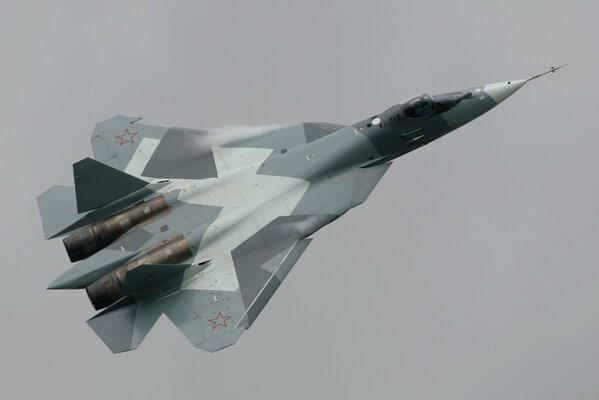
x: 97, y: 184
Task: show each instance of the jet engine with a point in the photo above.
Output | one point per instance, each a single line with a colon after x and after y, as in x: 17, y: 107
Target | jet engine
x: 93, y: 238
x: 110, y: 288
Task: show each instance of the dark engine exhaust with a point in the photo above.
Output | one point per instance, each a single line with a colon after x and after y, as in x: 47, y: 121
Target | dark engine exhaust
x: 108, y: 289
x: 93, y: 238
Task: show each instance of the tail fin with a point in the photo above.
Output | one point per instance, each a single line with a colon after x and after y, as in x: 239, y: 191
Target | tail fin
x: 63, y: 208
x: 97, y: 184
x: 125, y: 324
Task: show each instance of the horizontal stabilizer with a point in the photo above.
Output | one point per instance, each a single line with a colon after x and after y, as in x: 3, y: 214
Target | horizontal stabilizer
x: 147, y: 275
x: 124, y: 325
x: 97, y: 184
x: 58, y: 210
x: 91, y: 269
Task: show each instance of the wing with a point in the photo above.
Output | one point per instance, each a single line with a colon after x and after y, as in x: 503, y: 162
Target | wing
x: 210, y: 319
x: 339, y: 193
x: 278, y: 137
x: 115, y: 140
x: 153, y: 151
x: 159, y: 152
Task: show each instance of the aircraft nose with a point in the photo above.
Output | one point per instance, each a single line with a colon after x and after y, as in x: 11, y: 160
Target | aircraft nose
x: 502, y: 90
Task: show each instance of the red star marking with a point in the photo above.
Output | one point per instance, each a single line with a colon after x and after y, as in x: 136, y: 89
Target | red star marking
x: 127, y: 137
x: 219, y: 320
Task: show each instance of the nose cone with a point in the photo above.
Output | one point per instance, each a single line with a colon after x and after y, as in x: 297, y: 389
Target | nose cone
x: 502, y: 90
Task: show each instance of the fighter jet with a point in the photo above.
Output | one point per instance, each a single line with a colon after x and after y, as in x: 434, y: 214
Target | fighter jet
x: 203, y: 226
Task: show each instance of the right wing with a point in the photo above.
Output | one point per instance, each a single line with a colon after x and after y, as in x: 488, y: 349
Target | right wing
x: 210, y: 319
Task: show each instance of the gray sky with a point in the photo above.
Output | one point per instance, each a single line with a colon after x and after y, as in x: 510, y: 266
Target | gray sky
x: 471, y: 272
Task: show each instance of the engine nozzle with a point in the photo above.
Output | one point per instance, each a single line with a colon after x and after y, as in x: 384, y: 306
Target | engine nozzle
x: 108, y: 289
x: 93, y: 238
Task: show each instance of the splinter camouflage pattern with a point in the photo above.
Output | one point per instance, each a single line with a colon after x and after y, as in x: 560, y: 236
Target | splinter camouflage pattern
x: 235, y: 213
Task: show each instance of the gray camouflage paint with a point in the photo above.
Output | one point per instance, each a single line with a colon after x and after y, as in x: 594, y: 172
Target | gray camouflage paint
x: 246, y: 201
x: 183, y: 154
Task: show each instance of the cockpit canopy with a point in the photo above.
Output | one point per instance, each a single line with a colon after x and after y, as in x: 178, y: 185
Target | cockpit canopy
x: 419, y: 107
x: 426, y: 105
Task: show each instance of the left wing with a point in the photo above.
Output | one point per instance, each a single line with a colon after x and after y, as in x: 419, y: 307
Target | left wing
x: 123, y: 143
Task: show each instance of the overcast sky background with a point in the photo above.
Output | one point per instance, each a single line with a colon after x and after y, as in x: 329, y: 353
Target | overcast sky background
x: 471, y: 272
